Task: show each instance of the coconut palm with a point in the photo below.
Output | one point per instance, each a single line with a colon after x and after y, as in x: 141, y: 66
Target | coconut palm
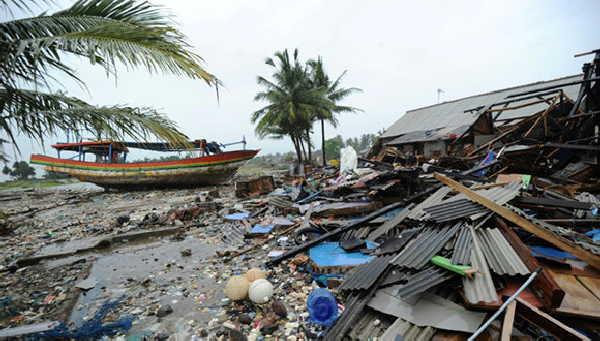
x: 291, y: 102
x: 334, y: 93
x: 107, y: 33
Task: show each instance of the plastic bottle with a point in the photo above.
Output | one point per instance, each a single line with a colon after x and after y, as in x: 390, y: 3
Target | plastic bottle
x: 322, y: 307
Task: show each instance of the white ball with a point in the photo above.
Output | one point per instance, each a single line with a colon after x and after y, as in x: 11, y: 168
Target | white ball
x: 260, y: 291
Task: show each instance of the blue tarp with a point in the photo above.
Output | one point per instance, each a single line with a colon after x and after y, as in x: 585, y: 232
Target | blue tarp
x: 331, y: 254
x: 261, y: 229
x: 489, y: 158
x: 237, y: 216
x: 594, y: 234
x: 539, y: 251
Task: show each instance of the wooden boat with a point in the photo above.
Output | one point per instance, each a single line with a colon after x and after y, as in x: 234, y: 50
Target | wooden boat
x: 110, y: 169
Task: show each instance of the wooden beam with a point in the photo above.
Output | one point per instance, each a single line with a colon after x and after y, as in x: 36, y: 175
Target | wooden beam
x: 509, y: 320
x: 544, y: 284
x: 549, y: 236
x: 547, y: 322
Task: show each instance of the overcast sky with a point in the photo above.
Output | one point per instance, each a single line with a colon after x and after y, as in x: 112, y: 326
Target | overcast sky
x: 398, y: 52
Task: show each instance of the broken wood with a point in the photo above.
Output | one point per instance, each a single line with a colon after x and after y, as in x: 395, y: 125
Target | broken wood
x: 509, y: 320
x: 549, y: 236
x: 546, y: 322
x: 549, y: 291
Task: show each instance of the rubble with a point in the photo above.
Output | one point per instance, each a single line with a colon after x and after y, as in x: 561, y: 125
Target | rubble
x: 497, y: 235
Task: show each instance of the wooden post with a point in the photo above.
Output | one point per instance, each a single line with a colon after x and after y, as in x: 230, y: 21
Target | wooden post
x: 509, y: 320
x: 549, y: 236
x: 546, y: 322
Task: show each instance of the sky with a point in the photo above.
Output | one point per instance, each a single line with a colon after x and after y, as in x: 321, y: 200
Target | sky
x: 398, y: 52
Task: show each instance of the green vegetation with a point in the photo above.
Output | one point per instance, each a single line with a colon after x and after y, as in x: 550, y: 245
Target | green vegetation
x: 299, y: 94
x: 31, y: 183
x: 107, y: 33
x: 21, y: 170
x: 334, y: 93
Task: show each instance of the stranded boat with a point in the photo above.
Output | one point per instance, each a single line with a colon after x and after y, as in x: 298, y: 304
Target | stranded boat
x: 111, y: 170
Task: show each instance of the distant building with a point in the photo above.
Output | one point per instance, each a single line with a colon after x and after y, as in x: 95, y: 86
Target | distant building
x: 428, y: 132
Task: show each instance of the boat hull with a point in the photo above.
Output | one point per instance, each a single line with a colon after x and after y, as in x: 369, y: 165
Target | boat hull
x: 195, y: 172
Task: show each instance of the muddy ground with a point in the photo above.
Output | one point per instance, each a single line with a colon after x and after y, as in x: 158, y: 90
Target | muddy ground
x: 69, y: 250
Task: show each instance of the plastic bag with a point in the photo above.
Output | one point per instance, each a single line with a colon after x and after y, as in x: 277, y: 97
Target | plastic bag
x: 349, y: 159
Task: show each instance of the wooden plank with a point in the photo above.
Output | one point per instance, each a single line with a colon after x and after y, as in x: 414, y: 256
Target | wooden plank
x: 551, y: 294
x: 509, y: 320
x: 578, y: 301
x: 525, y: 224
x: 547, y: 322
x: 592, y: 284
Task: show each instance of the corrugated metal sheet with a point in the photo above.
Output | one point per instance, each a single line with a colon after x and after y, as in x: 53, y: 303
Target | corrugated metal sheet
x: 234, y: 234
x: 395, y: 244
x: 422, y: 281
x: 419, y: 251
x: 500, y: 195
x: 481, y: 287
x: 451, y: 114
x: 364, y: 276
x: 501, y: 257
x: 408, y: 332
x: 462, y: 247
x: 428, y: 135
x: 417, y: 212
x: 577, y: 238
x: 390, y: 224
x: 395, y: 276
x: 452, y: 210
x: 366, y: 328
x: 355, y: 304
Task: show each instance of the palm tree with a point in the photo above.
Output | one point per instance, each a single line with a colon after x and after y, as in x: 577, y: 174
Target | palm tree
x: 106, y: 32
x: 291, y: 102
x: 334, y: 94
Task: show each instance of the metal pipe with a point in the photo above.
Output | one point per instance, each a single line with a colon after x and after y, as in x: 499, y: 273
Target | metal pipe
x: 505, y: 304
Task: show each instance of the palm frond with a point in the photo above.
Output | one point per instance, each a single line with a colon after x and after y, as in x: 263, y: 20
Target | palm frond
x: 136, y: 34
x: 36, y: 115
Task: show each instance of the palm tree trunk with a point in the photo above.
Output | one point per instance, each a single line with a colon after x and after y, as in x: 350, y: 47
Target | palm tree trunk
x: 303, y: 147
x: 323, y: 142
x: 297, y: 148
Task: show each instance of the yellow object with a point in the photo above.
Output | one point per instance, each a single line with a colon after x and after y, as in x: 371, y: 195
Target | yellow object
x: 237, y: 288
x: 334, y: 162
x: 254, y: 274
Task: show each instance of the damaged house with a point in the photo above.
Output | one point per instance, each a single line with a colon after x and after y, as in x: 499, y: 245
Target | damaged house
x: 462, y: 126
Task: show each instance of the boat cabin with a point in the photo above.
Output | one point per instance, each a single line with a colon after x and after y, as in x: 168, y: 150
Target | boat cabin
x: 108, y: 151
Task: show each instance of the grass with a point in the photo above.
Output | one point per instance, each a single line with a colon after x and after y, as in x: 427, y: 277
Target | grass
x: 34, y: 183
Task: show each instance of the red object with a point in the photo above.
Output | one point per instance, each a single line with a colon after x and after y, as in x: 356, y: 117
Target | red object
x: 452, y: 136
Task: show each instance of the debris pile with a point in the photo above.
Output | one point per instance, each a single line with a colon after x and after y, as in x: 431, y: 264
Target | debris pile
x: 495, y: 237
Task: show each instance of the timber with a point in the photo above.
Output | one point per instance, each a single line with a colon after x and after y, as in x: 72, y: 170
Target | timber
x: 523, y: 223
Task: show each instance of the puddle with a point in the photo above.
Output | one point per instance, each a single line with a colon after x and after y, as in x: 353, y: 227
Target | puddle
x: 182, y: 284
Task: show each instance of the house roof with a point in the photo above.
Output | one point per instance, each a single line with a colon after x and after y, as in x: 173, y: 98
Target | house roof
x: 450, y: 115
x: 428, y: 135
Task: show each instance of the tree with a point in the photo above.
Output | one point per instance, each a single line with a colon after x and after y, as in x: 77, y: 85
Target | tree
x: 292, y: 101
x: 334, y: 93
x: 333, y: 147
x: 21, y: 170
x: 105, y: 32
